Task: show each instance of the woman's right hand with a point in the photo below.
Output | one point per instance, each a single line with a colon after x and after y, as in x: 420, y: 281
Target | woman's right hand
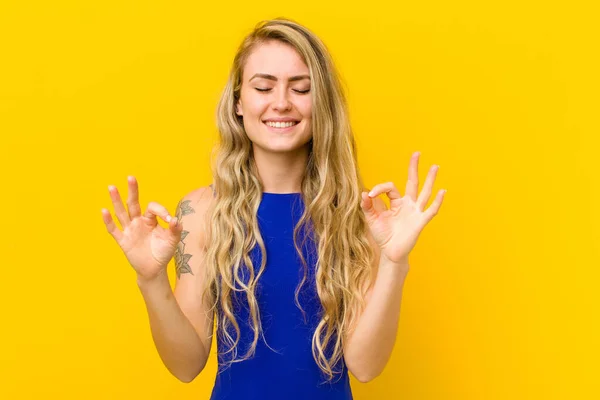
x: 148, y: 246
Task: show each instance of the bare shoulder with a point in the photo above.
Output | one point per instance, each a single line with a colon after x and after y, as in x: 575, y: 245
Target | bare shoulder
x: 196, y: 201
x: 195, y: 204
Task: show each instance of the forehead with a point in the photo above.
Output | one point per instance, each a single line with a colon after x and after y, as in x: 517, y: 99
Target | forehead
x: 274, y: 58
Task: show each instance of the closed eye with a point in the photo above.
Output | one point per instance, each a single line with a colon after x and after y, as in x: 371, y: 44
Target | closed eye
x: 297, y: 91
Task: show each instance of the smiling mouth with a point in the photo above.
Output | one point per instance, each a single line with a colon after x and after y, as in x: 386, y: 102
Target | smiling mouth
x: 281, y: 125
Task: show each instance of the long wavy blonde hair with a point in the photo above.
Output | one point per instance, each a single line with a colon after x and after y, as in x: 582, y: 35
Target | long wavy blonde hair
x: 331, y: 190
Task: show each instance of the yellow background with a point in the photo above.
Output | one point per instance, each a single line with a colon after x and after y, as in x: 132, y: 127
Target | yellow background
x: 501, y: 299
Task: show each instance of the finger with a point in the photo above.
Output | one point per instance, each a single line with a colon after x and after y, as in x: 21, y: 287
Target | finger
x: 427, y: 187
x: 120, y: 211
x: 435, y: 206
x: 111, y: 227
x: 412, y: 185
x: 390, y: 190
x: 175, y: 226
x: 156, y: 210
x: 133, y: 201
x: 367, y: 206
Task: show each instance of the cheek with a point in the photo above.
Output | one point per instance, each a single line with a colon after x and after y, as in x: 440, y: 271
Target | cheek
x: 257, y: 103
x: 306, y: 108
x: 253, y: 105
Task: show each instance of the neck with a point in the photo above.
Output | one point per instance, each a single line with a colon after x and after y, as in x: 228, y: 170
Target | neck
x: 281, y: 172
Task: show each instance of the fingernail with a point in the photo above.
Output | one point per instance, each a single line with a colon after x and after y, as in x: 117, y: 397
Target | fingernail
x: 371, y: 193
x: 168, y: 218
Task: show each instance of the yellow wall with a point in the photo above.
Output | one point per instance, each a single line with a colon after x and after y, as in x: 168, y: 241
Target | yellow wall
x: 501, y: 299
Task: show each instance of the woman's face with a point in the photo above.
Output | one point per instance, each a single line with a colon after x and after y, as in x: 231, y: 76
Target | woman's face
x: 275, y: 101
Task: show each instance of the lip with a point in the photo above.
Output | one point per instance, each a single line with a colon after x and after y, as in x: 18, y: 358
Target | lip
x: 281, y: 130
x: 281, y: 119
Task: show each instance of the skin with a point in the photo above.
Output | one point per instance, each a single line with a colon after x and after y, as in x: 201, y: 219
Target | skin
x: 393, y: 232
x: 181, y: 257
x: 280, y: 157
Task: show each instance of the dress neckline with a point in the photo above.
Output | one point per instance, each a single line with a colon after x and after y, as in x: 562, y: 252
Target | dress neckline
x: 282, y: 194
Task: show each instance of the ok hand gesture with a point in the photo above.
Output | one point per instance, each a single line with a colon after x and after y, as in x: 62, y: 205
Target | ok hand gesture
x: 396, y: 230
x: 147, y: 246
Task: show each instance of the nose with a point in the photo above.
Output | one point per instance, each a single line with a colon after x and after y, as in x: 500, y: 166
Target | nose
x: 281, y: 101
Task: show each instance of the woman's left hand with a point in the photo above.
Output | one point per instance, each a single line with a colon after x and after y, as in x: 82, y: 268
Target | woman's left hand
x: 396, y: 230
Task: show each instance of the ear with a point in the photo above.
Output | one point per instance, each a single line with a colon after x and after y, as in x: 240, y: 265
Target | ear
x: 238, y: 108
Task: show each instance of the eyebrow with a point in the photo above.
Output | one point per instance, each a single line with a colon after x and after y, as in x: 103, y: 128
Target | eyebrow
x: 274, y: 78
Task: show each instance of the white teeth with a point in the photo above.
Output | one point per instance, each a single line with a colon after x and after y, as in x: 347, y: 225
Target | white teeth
x: 281, y: 124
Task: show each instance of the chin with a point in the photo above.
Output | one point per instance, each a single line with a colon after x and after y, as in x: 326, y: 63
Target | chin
x: 272, y: 148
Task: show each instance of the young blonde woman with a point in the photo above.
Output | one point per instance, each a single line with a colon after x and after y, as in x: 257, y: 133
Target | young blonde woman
x: 295, y: 266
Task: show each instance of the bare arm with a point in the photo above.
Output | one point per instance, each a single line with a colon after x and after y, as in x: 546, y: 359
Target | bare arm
x: 177, y: 342
x: 369, y: 345
x: 180, y: 324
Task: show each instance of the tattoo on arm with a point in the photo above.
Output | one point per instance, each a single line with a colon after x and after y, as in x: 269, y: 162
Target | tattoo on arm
x: 181, y: 259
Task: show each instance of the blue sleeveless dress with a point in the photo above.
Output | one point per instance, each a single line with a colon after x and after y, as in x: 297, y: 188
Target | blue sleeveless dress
x: 285, y: 369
